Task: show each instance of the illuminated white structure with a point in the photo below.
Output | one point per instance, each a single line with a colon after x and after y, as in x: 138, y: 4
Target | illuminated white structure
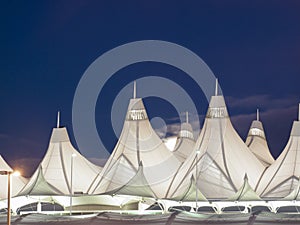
x: 185, y: 141
x: 191, y: 194
x: 138, y: 145
x: 223, y: 159
x: 142, y: 171
x: 245, y: 193
x: 281, y: 178
x: 18, y: 182
x: 295, y: 194
x: 256, y: 141
x: 53, y: 176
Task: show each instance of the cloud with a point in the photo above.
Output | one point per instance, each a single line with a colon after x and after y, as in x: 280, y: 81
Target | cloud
x: 277, y: 115
x: 274, y: 110
x: 265, y: 102
x: 277, y: 124
x: 173, y: 127
x: 3, y: 136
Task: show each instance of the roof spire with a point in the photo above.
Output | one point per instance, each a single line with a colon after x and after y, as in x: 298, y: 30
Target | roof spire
x: 134, y: 89
x: 58, y: 118
x: 187, y: 117
x: 216, y: 90
x: 257, y: 114
x: 246, y: 177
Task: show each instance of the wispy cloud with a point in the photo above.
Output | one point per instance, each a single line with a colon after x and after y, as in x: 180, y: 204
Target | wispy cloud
x: 174, y: 125
x: 261, y: 101
x: 277, y: 115
x: 3, y: 136
x: 277, y: 123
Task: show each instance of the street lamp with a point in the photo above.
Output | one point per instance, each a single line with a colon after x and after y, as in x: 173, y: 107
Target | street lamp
x: 196, y: 177
x: 71, y: 197
x: 9, y: 173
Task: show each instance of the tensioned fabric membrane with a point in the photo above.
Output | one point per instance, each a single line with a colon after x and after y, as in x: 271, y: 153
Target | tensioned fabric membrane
x: 185, y: 141
x: 256, y: 141
x: 53, y: 175
x: 17, y: 181
x: 282, y: 177
x: 220, y: 158
x: 138, y: 145
x: 142, y: 171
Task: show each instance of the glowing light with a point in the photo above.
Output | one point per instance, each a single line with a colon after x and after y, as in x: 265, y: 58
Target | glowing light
x: 16, y: 173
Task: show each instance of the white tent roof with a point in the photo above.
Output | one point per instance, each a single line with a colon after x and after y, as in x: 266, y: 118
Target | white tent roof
x: 138, y: 142
x: 137, y: 186
x: 256, y: 141
x: 223, y: 158
x: 17, y: 182
x: 38, y: 185
x: 295, y: 194
x: 53, y: 175
x: 98, y: 202
x: 191, y: 193
x: 245, y: 193
x: 185, y: 141
x: 281, y: 178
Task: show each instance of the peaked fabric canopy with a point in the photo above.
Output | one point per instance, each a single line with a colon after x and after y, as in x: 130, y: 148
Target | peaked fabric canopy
x: 245, y: 193
x: 53, y: 175
x: 137, y: 186
x: 18, y: 182
x: 138, y: 142
x: 185, y: 142
x: 220, y: 156
x: 256, y: 141
x: 4, y: 166
x: 281, y: 178
x: 38, y: 185
x: 191, y: 193
x: 295, y: 194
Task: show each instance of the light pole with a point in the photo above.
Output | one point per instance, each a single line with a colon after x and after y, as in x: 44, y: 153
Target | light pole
x: 71, y: 197
x: 9, y: 173
x: 196, y: 177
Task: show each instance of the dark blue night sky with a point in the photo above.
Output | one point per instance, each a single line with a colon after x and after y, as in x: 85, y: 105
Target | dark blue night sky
x: 253, y: 47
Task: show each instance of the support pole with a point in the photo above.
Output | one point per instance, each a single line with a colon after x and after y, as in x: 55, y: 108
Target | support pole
x: 8, y: 198
x: 71, y: 196
x: 196, y: 177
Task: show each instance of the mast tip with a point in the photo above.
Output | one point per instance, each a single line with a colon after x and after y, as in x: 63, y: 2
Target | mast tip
x: 217, y: 87
x: 58, y: 119
x: 134, y: 89
x: 187, y: 117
